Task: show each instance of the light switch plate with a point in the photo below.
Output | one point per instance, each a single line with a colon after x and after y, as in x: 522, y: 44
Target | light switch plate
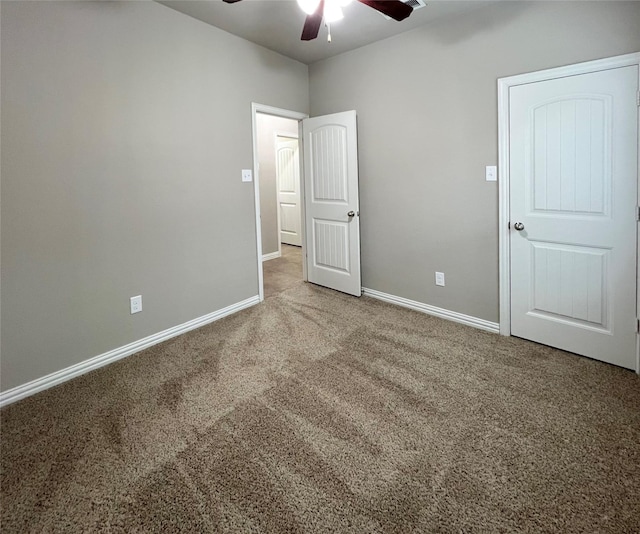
x: 491, y: 173
x: 246, y: 175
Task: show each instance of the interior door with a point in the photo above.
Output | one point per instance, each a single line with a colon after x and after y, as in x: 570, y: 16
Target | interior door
x: 288, y: 180
x: 332, y: 217
x: 573, y: 190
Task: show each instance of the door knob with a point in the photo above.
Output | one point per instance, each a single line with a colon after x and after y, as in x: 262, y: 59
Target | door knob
x: 351, y: 214
x: 519, y: 226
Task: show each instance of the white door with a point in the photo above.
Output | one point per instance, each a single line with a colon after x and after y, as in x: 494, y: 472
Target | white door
x: 332, y: 217
x: 573, y: 193
x: 288, y: 180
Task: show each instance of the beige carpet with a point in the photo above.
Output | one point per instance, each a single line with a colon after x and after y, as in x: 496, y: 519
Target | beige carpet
x: 282, y: 273
x: 320, y: 412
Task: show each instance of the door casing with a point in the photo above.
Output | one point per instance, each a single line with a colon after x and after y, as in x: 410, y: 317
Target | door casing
x: 504, y: 84
x: 287, y: 114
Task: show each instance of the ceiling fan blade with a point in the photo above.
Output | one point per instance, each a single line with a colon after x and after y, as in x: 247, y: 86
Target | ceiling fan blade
x: 395, y: 9
x: 230, y: 1
x: 312, y: 23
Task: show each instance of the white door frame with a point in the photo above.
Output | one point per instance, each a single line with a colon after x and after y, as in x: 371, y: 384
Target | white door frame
x: 504, y: 84
x: 287, y: 114
x: 279, y: 134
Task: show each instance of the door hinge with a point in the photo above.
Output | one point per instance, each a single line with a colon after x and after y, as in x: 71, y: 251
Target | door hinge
x: 637, y: 326
x: 637, y: 213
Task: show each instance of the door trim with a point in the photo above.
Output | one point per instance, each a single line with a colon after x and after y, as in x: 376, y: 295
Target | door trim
x: 504, y: 84
x: 287, y: 114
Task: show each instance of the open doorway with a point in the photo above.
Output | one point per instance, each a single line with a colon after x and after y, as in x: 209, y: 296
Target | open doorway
x: 279, y: 198
x: 330, y: 213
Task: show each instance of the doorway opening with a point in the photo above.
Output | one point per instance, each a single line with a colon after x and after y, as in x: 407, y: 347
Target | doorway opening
x: 277, y: 156
x: 329, y: 225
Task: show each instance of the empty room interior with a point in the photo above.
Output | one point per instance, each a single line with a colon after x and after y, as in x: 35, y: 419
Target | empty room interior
x: 273, y: 270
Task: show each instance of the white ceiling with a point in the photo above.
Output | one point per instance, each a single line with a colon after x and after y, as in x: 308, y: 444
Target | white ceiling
x: 277, y: 24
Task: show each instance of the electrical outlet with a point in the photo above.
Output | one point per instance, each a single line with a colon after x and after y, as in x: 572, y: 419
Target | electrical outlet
x: 136, y: 304
x: 439, y: 279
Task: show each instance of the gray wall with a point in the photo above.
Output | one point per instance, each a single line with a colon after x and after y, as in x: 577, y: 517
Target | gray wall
x: 124, y: 129
x: 125, y: 126
x: 267, y: 127
x: 427, y: 124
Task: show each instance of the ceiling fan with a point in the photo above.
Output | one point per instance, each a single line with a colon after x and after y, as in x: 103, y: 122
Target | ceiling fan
x: 331, y: 11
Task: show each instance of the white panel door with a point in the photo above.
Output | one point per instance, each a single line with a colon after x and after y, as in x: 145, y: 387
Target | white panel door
x: 332, y: 217
x: 288, y: 179
x: 573, y: 190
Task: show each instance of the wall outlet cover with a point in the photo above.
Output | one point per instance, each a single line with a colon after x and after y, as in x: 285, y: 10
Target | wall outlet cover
x: 136, y: 304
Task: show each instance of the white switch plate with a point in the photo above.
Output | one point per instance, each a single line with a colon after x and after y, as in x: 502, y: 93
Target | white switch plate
x: 246, y: 175
x: 491, y: 173
x: 136, y: 304
x: 439, y: 279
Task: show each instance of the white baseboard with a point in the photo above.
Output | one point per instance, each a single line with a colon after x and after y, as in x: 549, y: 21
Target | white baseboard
x: 53, y: 379
x: 271, y: 256
x: 432, y: 310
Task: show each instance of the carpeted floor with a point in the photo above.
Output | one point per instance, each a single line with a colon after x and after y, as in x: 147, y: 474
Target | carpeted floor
x: 282, y: 273
x: 319, y: 412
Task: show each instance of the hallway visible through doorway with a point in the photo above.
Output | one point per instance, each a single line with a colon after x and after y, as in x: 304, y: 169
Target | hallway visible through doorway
x: 284, y: 272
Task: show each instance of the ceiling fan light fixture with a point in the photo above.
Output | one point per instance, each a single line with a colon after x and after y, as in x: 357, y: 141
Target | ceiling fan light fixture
x: 332, y: 11
x: 309, y: 6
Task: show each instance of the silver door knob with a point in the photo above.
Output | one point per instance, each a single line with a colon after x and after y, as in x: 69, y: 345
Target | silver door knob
x: 351, y: 214
x: 519, y: 226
